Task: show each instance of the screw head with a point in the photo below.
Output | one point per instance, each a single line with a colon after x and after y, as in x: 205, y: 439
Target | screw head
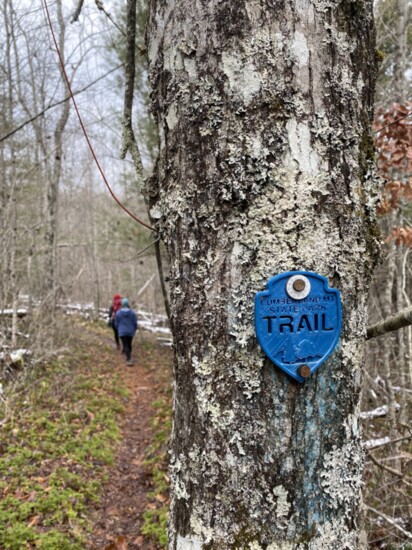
x: 304, y: 371
x: 299, y: 285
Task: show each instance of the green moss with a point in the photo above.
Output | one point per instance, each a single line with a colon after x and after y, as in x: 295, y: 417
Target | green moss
x: 367, y: 151
x: 155, y: 463
x: 155, y: 525
x: 379, y: 56
x: 56, y: 448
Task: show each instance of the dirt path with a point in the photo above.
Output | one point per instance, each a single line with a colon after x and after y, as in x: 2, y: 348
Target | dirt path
x: 119, y: 513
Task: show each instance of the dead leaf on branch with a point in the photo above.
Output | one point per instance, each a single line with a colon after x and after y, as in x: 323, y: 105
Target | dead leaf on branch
x: 401, y: 236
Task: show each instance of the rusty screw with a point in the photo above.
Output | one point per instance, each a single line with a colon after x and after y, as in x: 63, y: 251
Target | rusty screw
x: 304, y: 371
x: 299, y: 285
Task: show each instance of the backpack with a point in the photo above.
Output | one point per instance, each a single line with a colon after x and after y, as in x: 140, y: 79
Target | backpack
x: 116, y: 305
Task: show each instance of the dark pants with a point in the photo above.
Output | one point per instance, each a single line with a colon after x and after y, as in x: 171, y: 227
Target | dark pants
x: 127, y: 345
x: 116, y: 336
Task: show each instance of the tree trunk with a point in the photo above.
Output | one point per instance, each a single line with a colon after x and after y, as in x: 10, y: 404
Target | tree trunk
x: 400, y: 82
x: 52, y: 191
x: 264, y: 167
x: 11, y: 180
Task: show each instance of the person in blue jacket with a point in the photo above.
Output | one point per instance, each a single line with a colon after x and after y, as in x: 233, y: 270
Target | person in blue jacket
x: 126, y: 324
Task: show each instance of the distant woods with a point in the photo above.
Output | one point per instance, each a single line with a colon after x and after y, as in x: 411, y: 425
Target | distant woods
x: 388, y: 370
x: 62, y: 237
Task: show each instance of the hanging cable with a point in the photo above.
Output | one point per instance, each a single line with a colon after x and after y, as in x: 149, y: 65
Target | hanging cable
x: 83, y: 127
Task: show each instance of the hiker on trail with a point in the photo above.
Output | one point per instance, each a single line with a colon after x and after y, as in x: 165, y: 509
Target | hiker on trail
x: 126, y: 324
x: 114, y: 308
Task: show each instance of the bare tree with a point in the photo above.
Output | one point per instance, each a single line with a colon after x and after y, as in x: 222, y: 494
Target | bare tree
x: 52, y: 193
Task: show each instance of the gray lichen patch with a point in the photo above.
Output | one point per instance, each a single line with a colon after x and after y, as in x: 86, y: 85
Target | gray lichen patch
x: 334, y: 534
x: 341, y: 476
x: 282, y: 504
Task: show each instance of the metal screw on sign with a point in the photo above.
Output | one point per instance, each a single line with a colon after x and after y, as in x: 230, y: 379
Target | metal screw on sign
x: 304, y: 371
x: 299, y: 285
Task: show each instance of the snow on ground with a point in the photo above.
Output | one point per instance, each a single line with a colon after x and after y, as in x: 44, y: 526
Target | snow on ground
x: 21, y: 311
x: 15, y: 356
x: 379, y: 411
x: 373, y: 443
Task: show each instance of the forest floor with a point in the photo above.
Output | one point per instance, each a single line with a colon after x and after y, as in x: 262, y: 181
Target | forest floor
x: 83, y: 448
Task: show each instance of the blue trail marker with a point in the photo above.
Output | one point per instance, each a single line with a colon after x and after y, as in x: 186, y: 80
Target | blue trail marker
x: 298, y: 320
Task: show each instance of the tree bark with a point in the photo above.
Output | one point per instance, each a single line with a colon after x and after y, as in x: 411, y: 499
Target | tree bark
x: 264, y: 166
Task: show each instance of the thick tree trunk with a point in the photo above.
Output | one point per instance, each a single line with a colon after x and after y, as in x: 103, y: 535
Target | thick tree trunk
x: 264, y: 166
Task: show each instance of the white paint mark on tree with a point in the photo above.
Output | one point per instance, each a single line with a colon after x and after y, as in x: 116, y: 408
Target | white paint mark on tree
x: 301, y: 149
x: 188, y: 543
x: 300, y: 49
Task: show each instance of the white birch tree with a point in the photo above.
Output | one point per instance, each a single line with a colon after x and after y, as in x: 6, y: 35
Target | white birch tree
x: 265, y: 166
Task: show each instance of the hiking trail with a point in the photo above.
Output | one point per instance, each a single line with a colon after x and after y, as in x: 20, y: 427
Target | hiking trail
x: 118, y: 516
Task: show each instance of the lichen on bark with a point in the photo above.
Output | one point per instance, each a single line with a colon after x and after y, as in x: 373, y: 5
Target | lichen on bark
x: 263, y: 114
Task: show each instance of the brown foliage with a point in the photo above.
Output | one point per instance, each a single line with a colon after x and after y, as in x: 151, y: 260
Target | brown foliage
x: 401, y: 235
x: 393, y: 193
x: 394, y: 139
x: 393, y: 128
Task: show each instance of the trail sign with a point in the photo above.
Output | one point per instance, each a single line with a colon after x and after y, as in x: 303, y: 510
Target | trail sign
x: 298, y: 321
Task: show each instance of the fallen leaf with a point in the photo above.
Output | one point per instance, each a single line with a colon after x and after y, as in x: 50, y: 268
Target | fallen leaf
x: 91, y: 415
x: 34, y: 521
x: 40, y: 479
x: 119, y: 543
x: 32, y: 496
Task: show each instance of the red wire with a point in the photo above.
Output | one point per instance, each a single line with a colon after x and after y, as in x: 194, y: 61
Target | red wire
x: 83, y: 127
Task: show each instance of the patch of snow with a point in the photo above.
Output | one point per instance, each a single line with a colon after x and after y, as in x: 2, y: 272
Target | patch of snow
x: 372, y: 443
x: 380, y: 411
x: 9, y: 311
x: 17, y: 355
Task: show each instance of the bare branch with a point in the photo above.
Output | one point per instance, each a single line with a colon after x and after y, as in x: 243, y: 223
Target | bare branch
x: 57, y: 103
x: 401, y: 475
x: 391, y: 521
x: 76, y: 14
x: 390, y: 442
x: 100, y: 6
x: 128, y: 138
x: 395, y: 322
